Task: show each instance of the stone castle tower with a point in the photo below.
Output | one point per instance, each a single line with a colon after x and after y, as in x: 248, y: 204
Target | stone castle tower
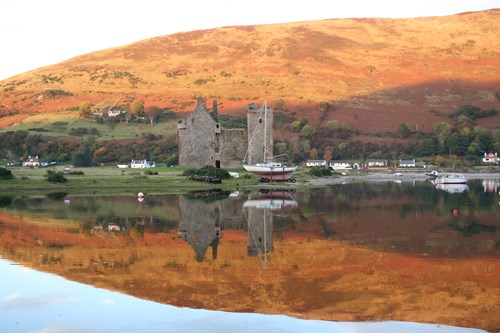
x: 258, y: 141
x: 202, y: 140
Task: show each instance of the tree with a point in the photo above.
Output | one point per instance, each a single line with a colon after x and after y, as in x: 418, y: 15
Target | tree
x: 137, y: 108
x: 457, y: 144
x: 152, y: 112
x: 296, y: 125
x: 85, y: 109
x: 313, y: 153
x: 308, y: 131
x: 427, y: 147
x: 439, y: 160
x: 128, y: 116
x: 327, y: 156
x: 404, y: 131
x: 82, y: 159
x: 442, y: 131
x: 484, y: 138
x: 342, y: 146
x: 332, y: 126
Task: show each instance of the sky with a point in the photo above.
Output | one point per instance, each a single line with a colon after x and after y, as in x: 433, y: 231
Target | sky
x: 35, y: 302
x: 37, y: 33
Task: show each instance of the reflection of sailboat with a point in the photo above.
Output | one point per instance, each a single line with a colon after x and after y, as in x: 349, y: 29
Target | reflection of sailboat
x: 266, y: 170
x: 272, y: 200
x: 453, y: 188
x: 260, y: 220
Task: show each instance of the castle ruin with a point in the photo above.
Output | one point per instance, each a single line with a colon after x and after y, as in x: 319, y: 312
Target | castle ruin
x: 203, y: 141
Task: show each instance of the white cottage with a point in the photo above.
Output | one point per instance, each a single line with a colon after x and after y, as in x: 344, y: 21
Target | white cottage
x: 491, y: 158
x: 32, y: 161
x: 340, y: 165
x: 407, y: 163
x: 313, y: 163
x: 142, y: 164
x: 376, y: 163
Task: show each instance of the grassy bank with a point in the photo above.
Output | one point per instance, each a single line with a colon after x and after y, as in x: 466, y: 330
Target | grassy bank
x: 111, y: 180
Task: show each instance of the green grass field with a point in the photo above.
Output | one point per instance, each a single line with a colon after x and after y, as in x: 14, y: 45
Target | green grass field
x: 112, y: 180
x: 63, y: 124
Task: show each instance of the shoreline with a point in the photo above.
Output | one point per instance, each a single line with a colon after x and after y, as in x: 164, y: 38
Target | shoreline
x: 387, y: 177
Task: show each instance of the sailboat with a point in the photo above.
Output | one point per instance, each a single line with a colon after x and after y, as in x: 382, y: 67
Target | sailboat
x: 270, y: 171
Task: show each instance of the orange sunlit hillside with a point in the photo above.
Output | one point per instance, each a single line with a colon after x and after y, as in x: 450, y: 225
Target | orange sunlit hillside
x: 373, y: 74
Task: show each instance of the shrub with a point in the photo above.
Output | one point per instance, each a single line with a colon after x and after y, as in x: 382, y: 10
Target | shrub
x: 53, y: 93
x: 209, y: 171
x: 321, y: 171
x: 56, y: 177
x: 56, y: 196
x: 5, y: 200
x: 6, y: 174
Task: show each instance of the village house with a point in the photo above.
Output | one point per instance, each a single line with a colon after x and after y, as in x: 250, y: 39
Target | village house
x: 142, y: 164
x: 313, y: 163
x: 340, y: 165
x: 376, y: 163
x: 491, y: 158
x: 420, y: 164
x: 32, y: 162
x: 112, y: 113
x: 407, y: 163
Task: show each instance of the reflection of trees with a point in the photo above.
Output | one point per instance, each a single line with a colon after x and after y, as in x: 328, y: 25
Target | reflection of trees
x: 155, y: 214
x: 401, y: 217
x: 467, y: 226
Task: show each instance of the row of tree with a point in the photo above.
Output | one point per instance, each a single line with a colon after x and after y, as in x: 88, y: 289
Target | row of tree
x: 16, y: 146
x: 334, y: 140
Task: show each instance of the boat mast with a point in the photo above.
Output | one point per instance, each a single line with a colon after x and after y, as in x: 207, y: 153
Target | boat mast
x: 265, y: 130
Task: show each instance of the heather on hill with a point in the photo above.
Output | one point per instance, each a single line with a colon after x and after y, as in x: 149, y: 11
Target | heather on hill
x: 346, y: 88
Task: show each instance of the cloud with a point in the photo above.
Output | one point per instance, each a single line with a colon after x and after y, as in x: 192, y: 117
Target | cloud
x: 66, y: 328
x: 16, y: 302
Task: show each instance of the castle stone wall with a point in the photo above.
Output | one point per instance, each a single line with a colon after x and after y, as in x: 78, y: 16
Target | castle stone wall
x: 203, y: 142
x: 256, y: 134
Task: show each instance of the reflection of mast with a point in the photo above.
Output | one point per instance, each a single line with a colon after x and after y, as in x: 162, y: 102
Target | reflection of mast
x: 260, y: 227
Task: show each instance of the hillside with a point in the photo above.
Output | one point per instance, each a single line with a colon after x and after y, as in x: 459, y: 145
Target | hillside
x: 375, y: 74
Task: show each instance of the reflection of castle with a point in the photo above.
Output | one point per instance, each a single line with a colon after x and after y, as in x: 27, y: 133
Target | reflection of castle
x: 202, y: 219
x: 260, y: 231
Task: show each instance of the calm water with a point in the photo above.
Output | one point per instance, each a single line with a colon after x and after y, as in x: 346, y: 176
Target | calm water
x: 381, y: 251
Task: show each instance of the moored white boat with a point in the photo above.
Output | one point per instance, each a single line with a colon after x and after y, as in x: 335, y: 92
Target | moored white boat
x: 272, y: 171
x: 451, y: 178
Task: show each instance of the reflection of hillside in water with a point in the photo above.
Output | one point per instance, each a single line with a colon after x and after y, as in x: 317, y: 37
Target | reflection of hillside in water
x: 413, y: 218
x: 117, y: 213
x: 339, y: 254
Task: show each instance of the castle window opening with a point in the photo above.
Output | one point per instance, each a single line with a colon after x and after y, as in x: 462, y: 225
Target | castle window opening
x: 217, y: 164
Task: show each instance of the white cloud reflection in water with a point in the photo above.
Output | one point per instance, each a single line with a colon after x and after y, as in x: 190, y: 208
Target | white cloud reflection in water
x: 35, y: 302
